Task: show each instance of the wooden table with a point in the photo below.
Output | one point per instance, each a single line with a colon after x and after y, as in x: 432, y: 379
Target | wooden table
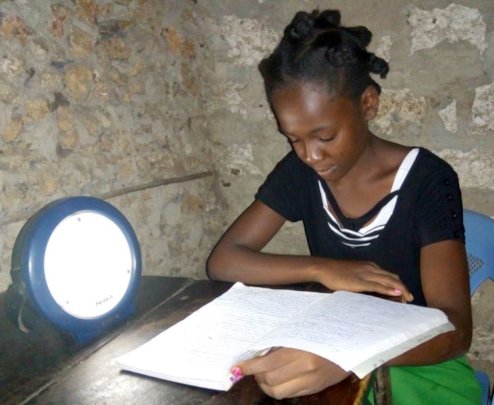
x: 45, y: 367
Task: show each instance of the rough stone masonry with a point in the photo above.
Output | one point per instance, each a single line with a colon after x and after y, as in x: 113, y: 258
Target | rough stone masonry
x: 157, y: 106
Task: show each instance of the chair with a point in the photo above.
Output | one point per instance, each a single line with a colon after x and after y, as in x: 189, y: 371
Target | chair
x: 479, y: 240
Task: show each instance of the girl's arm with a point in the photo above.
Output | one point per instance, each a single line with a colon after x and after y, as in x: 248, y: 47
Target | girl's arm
x: 445, y: 283
x: 238, y: 257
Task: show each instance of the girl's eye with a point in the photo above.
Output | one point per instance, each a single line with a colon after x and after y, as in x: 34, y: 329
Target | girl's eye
x: 326, y: 139
x: 291, y: 141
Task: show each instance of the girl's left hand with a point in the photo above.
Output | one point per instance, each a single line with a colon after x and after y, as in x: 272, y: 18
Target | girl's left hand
x: 287, y: 373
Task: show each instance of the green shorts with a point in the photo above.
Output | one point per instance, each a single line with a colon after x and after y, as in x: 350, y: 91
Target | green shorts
x: 452, y: 382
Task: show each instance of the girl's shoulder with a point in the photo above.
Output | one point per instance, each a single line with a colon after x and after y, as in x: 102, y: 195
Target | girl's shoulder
x: 434, y: 163
x: 426, y: 160
x: 430, y: 172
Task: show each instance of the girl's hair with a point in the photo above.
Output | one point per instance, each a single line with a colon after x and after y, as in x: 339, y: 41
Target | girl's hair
x: 315, y: 48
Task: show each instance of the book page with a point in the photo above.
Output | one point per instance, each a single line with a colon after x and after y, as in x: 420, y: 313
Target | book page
x: 358, y: 332
x: 201, y: 349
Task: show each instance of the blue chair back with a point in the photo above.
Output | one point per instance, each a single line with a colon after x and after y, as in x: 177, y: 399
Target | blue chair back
x: 479, y: 241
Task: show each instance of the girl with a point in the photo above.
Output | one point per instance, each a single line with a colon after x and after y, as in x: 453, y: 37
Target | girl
x: 379, y: 217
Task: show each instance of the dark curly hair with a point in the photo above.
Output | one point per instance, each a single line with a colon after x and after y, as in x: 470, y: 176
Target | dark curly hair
x: 316, y: 48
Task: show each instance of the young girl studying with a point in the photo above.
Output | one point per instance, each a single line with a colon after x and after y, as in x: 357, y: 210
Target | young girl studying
x: 378, y: 217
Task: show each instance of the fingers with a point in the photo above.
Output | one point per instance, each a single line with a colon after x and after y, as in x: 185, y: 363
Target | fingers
x: 387, y: 284
x: 399, y: 291
x: 374, y: 279
x: 287, y: 373
x: 362, y: 276
x: 268, y: 362
x: 290, y: 389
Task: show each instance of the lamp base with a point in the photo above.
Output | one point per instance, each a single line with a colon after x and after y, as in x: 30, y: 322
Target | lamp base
x: 27, y: 319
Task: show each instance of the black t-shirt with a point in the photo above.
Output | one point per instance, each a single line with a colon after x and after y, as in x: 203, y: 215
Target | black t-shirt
x: 428, y: 209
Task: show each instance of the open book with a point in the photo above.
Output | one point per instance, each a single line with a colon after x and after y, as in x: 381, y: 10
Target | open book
x: 356, y: 331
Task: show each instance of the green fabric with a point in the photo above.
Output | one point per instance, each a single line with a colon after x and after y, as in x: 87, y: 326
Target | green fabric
x: 452, y: 382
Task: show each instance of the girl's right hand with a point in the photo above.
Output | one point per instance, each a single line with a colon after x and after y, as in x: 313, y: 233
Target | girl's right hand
x: 362, y: 276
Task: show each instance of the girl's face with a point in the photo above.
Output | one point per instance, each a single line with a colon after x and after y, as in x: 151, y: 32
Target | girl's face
x: 328, y: 134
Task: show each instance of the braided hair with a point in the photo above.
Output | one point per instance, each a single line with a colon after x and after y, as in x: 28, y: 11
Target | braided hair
x: 317, y: 49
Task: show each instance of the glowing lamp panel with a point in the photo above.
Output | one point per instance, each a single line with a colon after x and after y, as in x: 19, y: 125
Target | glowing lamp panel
x: 88, y: 264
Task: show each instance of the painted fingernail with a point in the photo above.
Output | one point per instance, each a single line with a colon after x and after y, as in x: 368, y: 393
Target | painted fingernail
x: 236, y: 374
x: 397, y: 291
x: 236, y: 378
x: 236, y: 371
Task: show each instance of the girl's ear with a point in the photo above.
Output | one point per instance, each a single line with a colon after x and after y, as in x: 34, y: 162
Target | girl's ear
x: 369, y: 102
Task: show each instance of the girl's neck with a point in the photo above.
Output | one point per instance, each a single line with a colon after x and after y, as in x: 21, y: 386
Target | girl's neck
x: 366, y: 166
x: 371, y: 179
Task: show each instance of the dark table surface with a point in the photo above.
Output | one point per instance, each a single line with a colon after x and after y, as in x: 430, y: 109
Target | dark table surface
x: 46, y: 367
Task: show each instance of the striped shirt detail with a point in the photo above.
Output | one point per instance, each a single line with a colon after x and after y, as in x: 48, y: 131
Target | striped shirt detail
x: 370, y: 231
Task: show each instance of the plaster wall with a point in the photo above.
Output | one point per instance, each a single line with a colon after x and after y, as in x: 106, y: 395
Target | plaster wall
x: 157, y: 106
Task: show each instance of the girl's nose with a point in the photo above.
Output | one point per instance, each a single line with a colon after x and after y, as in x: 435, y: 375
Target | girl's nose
x: 311, y: 153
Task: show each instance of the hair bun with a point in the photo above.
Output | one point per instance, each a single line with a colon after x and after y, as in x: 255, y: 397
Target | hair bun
x: 378, y: 65
x: 339, y: 50
x: 342, y: 55
x: 301, y: 27
x: 361, y: 34
x: 327, y: 19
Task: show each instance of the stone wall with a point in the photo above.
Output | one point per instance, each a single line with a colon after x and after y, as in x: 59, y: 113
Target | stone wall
x: 157, y: 106
x: 104, y: 99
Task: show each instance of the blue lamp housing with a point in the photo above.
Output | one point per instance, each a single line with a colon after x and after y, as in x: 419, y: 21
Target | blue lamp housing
x: 76, y: 262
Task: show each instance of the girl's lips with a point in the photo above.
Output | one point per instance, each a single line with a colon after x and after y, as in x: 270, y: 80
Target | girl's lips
x: 325, y: 172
